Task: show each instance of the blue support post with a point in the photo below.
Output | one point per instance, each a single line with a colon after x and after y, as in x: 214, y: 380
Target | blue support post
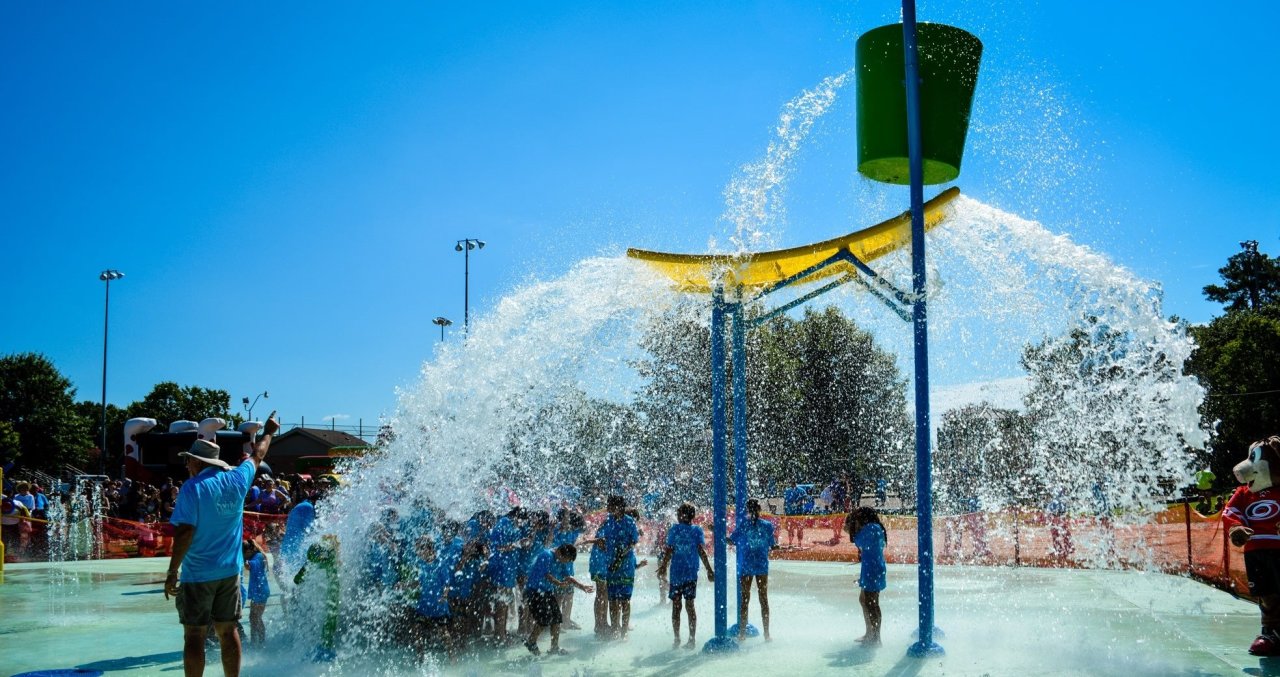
x: 925, y: 646
x: 739, y: 358
x: 719, y: 476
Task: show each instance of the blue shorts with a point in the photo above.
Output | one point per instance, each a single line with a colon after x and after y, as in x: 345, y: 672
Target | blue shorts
x: 620, y: 591
x: 687, y: 590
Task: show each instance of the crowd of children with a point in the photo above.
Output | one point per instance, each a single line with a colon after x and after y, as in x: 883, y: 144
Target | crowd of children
x: 448, y: 586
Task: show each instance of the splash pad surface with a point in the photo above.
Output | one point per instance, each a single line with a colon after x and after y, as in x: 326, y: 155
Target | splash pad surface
x: 110, y: 616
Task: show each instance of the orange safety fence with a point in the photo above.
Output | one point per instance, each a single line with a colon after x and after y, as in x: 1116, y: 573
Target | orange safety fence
x: 117, y: 538
x: 1177, y: 540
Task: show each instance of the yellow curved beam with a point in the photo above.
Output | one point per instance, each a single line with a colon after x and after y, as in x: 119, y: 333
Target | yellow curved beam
x: 693, y: 272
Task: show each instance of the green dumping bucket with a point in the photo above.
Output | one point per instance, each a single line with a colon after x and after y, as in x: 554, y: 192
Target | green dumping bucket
x: 949, y: 60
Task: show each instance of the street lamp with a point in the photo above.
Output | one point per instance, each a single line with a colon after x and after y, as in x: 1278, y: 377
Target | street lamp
x: 443, y: 322
x: 465, y: 246
x: 249, y: 407
x: 106, y: 276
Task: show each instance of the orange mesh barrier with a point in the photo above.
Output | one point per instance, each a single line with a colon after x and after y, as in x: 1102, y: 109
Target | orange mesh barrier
x: 1177, y: 540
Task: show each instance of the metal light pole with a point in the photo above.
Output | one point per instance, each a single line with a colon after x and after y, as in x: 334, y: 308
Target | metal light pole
x: 249, y: 407
x: 106, y: 276
x: 465, y: 246
x: 443, y: 322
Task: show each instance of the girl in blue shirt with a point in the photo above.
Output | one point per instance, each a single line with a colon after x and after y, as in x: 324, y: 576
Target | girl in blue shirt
x: 257, y: 592
x: 753, y: 538
x: 868, y: 533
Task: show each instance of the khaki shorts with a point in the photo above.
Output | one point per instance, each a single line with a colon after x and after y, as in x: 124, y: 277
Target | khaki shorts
x: 209, y: 601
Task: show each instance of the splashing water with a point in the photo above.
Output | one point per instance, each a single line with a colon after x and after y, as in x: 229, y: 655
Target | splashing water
x: 753, y: 199
x: 535, y: 402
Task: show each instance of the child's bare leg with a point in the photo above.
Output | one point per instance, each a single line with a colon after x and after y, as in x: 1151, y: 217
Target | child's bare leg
x: 625, y: 611
x: 257, y: 629
x: 762, y: 583
x: 566, y: 608
x: 601, y: 606
x: 555, y: 638
x: 532, y: 644
x: 693, y: 621
x: 866, y: 617
x: 675, y: 621
x: 744, y: 583
x: 500, y: 611
x: 872, y: 606
x: 615, y: 614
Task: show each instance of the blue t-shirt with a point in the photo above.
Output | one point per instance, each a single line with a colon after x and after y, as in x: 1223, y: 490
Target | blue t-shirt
x: 870, y: 540
x: 259, y: 589
x: 570, y: 537
x: 684, y: 541
x: 794, y: 500
x: 598, y: 562
x: 545, y: 563
x: 295, y: 529
x: 753, y: 539
x: 504, y: 566
x: 465, y: 578
x: 620, y: 536
x: 537, y: 543
x: 213, y: 502
x: 433, y: 576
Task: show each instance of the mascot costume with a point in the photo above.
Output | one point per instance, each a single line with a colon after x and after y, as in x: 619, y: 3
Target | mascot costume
x: 1252, y: 519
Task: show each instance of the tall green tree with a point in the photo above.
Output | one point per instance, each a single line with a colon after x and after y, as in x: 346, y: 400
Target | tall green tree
x: 168, y: 402
x: 982, y: 451
x: 1237, y: 360
x: 1101, y: 413
x: 823, y: 400
x: 38, y: 405
x: 1250, y: 280
x: 92, y: 412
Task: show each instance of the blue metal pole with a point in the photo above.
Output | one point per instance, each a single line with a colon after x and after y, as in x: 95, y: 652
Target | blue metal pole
x: 719, y: 474
x: 739, y: 440
x: 925, y: 646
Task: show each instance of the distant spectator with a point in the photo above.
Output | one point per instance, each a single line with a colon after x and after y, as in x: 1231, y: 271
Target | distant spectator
x: 271, y: 500
x: 15, y: 529
x: 23, y: 496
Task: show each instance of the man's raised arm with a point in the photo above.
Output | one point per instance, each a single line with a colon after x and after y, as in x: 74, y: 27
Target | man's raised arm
x: 264, y: 442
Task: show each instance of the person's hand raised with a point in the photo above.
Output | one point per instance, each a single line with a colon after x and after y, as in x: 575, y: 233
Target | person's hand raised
x: 272, y: 425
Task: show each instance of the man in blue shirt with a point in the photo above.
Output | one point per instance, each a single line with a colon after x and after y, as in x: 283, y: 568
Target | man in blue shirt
x: 208, y: 521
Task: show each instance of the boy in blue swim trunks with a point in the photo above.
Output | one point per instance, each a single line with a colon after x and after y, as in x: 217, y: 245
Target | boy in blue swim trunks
x: 432, y: 613
x: 683, y: 550
x: 620, y: 535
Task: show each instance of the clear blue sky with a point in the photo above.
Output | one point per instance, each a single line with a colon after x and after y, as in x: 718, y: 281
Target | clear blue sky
x: 283, y: 183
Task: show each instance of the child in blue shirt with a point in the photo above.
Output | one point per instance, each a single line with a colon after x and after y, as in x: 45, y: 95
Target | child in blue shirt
x: 598, y: 566
x: 753, y: 538
x: 683, y: 550
x: 569, y: 527
x: 868, y: 533
x: 540, y: 595
x: 620, y: 535
x: 257, y: 591
x: 433, y: 614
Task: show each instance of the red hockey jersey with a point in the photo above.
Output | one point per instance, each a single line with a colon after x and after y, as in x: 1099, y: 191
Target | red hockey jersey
x: 1260, y: 512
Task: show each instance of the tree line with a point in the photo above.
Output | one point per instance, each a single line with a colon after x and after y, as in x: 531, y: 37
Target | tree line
x: 44, y: 427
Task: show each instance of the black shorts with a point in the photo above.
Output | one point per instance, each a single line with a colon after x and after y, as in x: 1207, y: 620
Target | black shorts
x: 209, y: 601
x: 687, y: 590
x: 1263, y: 569
x: 543, y: 606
